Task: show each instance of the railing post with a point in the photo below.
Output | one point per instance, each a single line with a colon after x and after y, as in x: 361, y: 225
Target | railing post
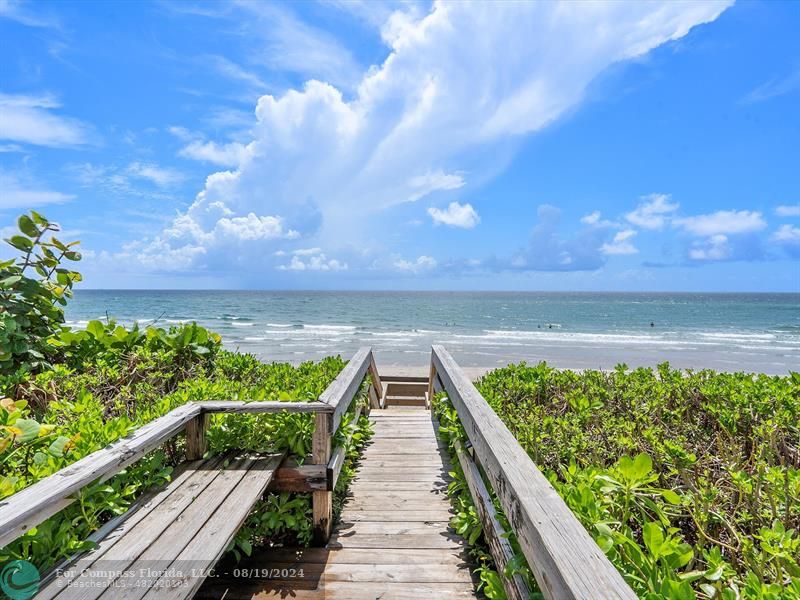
x: 322, y: 502
x: 196, y: 437
x: 376, y: 389
x: 431, y: 379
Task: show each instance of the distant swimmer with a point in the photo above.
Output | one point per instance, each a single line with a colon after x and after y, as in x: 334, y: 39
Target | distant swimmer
x: 652, y: 324
x: 550, y: 326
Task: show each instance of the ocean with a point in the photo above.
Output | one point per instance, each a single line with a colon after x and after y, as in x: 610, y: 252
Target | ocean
x: 752, y: 332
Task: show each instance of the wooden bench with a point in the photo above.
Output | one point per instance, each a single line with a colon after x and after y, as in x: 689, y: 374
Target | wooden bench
x: 166, y: 545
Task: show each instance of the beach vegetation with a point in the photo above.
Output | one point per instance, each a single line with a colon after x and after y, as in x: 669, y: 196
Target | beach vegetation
x: 34, y: 288
x: 689, y: 481
x: 65, y: 393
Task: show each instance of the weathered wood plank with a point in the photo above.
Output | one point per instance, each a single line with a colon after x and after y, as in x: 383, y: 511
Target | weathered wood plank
x: 378, y: 573
x: 238, y: 406
x: 493, y: 531
x: 188, y: 480
x: 322, y: 502
x: 339, y: 454
x: 291, y: 477
x: 378, y: 541
x: 100, y: 571
x: 394, y: 528
x: 376, y: 389
x: 407, y: 460
x: 269, y: 590
x: 564, y: 558
x: 398, y: 505
x: 29, y: 507
x: 388, y: 556
x: 341, y: 391
x: 196, y: 437
x: 208, y: 545
x: 427, y: 486
x: 426, y: 514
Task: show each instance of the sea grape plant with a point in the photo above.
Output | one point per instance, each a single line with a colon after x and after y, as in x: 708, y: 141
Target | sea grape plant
x: 34, y: 288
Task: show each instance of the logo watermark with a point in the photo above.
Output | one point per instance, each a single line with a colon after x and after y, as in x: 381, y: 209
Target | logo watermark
x: 19, y: 580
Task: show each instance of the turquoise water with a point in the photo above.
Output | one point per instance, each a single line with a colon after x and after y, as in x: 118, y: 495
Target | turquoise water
x: 755, y: 332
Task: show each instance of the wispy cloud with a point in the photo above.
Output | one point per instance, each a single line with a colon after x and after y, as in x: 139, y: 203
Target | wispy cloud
x: 18, y: 194
x: 289, y: 44
x: 723, y: 222
x: 228, y: 68
x: 788, y: 210
x: 773, y: 88
x: 27, y: 13
x: 621, y: 244
x: 653, y: 212
x: 30, y: 120
x: 160, y: 176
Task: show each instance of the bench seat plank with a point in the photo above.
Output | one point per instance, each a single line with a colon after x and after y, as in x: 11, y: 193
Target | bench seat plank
x: 185, y: 527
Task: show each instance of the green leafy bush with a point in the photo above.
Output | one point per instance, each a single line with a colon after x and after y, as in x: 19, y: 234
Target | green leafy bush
x: 33, y: 291
x: 66, y: 393
x: 688, y: 481
x: 75, y: 411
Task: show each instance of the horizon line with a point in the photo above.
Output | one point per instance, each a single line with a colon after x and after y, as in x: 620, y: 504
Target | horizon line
x: 432, y: 291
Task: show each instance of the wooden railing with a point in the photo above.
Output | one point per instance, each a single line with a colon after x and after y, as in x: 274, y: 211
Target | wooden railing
x: 564, y: 558
x: 27, y: 508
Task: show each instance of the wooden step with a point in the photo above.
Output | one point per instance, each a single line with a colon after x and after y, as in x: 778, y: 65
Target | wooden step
x: 405, y: 393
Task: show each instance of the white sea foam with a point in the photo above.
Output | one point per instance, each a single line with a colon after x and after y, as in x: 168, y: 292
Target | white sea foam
x: 344, y: 328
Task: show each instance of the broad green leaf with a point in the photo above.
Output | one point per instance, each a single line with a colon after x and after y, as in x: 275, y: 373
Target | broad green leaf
x: 27, y: 226
x: 96, y: 328
x: 57, y: 447
x: 8, y: 282
x: 20, y: 243
x: 28, y: 430
x: 653, y: 537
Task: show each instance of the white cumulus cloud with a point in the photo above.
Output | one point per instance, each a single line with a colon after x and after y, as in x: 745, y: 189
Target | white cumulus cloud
x: 312, y: 259
x: 787, y: 234
x: 455, y: 215
x: 422, y: 264
x: 458, y: 83
x: 223, y: 155
x: 714, y: 248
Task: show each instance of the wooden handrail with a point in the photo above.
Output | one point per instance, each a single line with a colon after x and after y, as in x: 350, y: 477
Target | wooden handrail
x: 340, y: 393
x: 339, y: 396
x: 238, y: 406
x: 564, y: 558
x: 32, y: 505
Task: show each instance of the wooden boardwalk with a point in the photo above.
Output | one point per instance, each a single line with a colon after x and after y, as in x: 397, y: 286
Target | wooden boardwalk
x: 393, y: 539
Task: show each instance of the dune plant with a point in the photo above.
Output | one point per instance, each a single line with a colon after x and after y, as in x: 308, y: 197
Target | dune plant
x: 34, y: 288
x: 65, y: 393
x: 689, y: 481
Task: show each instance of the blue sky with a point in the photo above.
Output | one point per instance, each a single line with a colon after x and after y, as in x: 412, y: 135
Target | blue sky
x: 361, y: 145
